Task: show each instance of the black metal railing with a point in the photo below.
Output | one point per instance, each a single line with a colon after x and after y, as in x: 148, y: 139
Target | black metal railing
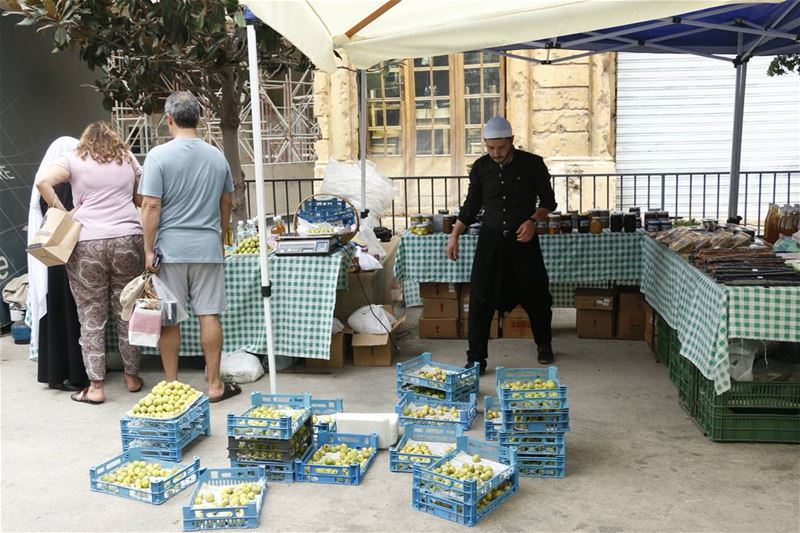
x: 686, y: 195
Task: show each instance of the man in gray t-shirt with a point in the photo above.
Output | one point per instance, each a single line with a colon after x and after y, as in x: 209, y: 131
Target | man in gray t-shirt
x: 186, y: 208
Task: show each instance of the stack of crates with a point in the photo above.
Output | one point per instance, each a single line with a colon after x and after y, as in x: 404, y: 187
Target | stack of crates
x: 166, y: 439
x: 436, y: 380
x: 321, y: 413
x: 271, y: 442
x: 466, y: 501
x: 534, y: 418
x: 310, y: 470
x: 460, y: 414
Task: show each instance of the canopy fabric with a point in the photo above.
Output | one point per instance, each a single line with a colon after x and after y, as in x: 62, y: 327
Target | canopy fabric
x: 765, y: 30
x: 417, y: 28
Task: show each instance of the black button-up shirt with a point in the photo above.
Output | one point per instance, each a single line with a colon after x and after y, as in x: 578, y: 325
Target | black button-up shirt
x: 509, y: 194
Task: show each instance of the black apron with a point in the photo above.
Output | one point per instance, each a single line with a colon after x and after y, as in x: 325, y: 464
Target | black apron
x: 507, y: 273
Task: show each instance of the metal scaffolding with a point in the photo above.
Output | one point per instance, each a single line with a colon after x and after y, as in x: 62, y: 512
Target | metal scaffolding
x: 288, y: 126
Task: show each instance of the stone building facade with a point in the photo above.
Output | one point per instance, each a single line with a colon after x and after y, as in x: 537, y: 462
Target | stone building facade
x: 564, y: 112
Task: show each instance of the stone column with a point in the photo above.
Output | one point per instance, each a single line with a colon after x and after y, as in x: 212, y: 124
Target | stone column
x: 336, y: 111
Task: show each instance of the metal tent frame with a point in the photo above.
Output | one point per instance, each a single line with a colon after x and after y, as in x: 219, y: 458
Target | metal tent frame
x: 733, y: 34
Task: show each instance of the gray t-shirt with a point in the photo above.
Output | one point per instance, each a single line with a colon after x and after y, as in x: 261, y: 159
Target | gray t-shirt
x: 189, y: 175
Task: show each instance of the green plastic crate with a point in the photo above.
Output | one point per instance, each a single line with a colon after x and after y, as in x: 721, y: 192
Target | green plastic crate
x: 750, y: 411
x: 684, y: 375
x: 663, y: 341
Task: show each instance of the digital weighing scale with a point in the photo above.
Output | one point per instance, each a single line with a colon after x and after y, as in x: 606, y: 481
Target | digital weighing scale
x: 307, y: 245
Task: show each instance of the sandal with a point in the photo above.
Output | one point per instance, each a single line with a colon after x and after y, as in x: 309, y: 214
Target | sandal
x: 228, y: 391
x: 82, y: 396
x: 141, y: 384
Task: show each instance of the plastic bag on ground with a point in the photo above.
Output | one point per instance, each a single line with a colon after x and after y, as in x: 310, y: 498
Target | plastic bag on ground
x: 366, y: 238
x: 336, y: 326
x: 742, y: 354
x: 240, y: 367
x: 371, y: 319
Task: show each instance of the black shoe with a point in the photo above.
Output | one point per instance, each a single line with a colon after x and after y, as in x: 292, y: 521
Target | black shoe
x: 482, y: 370
x: 67, y: 386
x: 546, y: 356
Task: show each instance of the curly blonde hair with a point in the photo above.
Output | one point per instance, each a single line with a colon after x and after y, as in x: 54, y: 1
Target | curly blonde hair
x: 100, y: 142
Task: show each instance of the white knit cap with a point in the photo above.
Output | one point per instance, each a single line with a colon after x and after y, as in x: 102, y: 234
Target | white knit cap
x: 497, y: 128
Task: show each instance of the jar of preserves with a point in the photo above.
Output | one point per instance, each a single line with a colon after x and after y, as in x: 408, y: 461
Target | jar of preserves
x: 278, y: 227
x: 541, y: 227
x: 771, y: 223
x: 566, y: 223
x: 596, y: 225
x: 616, y: 222
x: 629, y: 222
x: 553, y: 224
x: 575, y: 219
x: 448, y: 222
x: 583, y: 223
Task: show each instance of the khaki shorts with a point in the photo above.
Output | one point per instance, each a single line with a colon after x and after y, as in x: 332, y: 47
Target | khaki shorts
x: 203, y: 284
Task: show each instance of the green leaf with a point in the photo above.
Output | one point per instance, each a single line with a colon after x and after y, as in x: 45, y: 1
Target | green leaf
x: 239, y: 19
x: 27, y: 21
x: 61, y: 37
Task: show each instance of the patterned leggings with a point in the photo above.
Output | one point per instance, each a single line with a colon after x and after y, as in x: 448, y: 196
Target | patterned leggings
x: 98, y: 270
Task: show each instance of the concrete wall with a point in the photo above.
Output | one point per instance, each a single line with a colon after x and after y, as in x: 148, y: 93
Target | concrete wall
x: 41, y: 98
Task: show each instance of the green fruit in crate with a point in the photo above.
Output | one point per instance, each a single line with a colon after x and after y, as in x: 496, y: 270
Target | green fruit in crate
x: 138, y: 474
x: 166, y: 400
x: 432, y: 412
x: 491, y: 414
x: 434, y: 374
x: 476, y: 458
x: 528, y: 385
x: 419, y: 448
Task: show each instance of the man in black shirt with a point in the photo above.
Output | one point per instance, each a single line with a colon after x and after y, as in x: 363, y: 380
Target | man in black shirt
x: 513, y: 189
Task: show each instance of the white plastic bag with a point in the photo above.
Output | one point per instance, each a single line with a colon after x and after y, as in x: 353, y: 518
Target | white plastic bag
x: 344, y: 179
x: 144, y: 327
x: 172, y: 311
x: 336, y: 326
x: 742, y: 354
x: 372, y: 319
x: 367, y: 261
x: 240, y: 367
x: 366, y: 238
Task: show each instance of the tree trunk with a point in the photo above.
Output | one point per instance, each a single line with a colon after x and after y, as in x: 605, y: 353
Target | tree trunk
x: 229, y: 124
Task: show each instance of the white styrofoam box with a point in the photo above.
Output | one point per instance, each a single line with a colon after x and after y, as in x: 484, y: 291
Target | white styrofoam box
x: 385, y: 425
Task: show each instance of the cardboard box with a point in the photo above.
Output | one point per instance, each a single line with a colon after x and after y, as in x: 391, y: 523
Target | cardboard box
x: 375, y: 350
x: 448, y: 291
x: 377, y: 285
x: 494, y: 329
x: 338, y: 353
x: 630, y: 314
x: 517, y: 328
x: 56, y: 238
x: 464, y: 293
x: 595, y: 313
x: 517, y: 312
x: 438, y: 328
x: 439, y: 308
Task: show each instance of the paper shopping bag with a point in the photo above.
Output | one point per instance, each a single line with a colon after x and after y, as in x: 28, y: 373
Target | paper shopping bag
x: 144, y: 327
x: 56, y: 238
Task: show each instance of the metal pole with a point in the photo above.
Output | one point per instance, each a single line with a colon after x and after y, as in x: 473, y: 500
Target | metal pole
x: 736, y: 153
x: 258, y: 159
x: 362, y: 141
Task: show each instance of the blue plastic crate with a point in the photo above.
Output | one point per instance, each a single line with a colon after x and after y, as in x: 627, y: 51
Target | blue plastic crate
x: 400, y: 461
x: 160, y: 490
x: 240, y: 517
x: 491, y: 426
x: 325, y: 407
x: 542, y: 466
x: 460, y: 396
x: 535, y: 443
x: 455, y: 511
x: 530, y: 399
x: 274, y: 471
x: 258, y: 449
x: 134, y: 426
x: 539, y: 422
x: 340, y: 475
x: 468, y: 492
x: 283, y: 427
x: 167, y: 448
x: 459, y: 382
x: 467, y: 411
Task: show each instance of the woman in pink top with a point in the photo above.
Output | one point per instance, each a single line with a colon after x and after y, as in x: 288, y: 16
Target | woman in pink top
x: 104, y: 176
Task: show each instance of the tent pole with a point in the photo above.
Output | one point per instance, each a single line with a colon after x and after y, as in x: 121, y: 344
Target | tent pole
x: 736, y: 153
x: 258, y: 160
x: 362, y: 140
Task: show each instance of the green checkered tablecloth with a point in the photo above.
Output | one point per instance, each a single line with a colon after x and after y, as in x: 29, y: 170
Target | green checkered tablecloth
x: 303, y: 297
x: 575, y: 260
x: 707, y: 315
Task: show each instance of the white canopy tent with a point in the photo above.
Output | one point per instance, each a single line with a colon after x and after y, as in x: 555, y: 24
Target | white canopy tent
x: 371, y: 31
